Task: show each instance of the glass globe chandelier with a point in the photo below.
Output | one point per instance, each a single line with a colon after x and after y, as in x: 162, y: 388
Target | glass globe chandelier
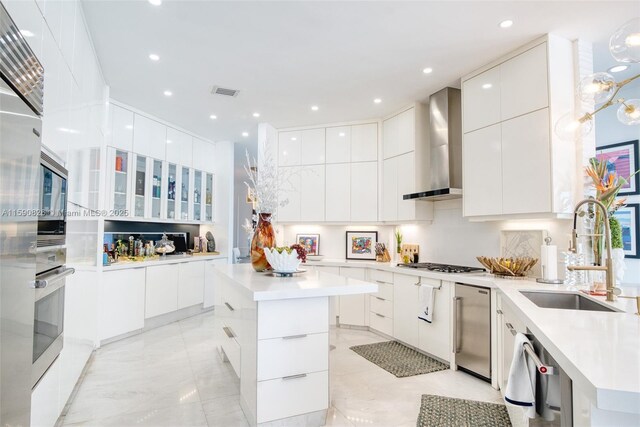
x: 602, y: 88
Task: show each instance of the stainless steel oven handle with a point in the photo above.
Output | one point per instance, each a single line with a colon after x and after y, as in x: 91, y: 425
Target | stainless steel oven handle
x: 48, y: 280
x: 456, y: 314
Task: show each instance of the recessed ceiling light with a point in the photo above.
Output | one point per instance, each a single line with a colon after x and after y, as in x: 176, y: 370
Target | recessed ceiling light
x: 618, y: 68
x: 128, y: 127
x: 168, y: 93
x: 377, y: 101
x: 245, y: 134
x: 213, y: 117
x: 154, y: 57
x: 506, y: 23
x: 341, y: 134
x: 294, y: 138
x: 314, y: 108
x: 427, y: 70
x: 256, y: 114
x: 487, y: 86
x: 155, y: 2
x: 26, y: 33
x: 168, y: 141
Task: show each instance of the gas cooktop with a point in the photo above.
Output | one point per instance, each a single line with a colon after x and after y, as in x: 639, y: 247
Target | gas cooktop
x: 442, y: 268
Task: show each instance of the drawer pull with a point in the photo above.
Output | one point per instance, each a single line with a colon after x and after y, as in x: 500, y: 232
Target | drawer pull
x: 379, y: 315
x: 229, y: 306
x: 499, y: 311
x: 227, y: 330
x: 293, y: 337
x: 382, y: 281
x: 381, y: 299
x: 293, y: 377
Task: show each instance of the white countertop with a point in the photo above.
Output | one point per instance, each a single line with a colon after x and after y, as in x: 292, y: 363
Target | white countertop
x: 267, y: 287
x: 168, y: 259
x: 600, y: 351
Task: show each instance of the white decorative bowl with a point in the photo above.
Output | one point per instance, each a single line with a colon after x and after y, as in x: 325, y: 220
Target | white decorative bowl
x: 282, y: 262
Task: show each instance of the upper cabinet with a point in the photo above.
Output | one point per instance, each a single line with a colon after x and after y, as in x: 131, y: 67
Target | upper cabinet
x: 339, y: 144
x: 312, y: 147
x: 364, y: 143
x: 121, y: 128
x: 513, y: 163
x: 203, y: 155
x: 404, y: 165
x: 179, y: 147
x: 149, y: 137
x: 289, y: 148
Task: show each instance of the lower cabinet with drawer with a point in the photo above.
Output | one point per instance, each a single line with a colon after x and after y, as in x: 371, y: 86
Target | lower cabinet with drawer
x: 381, y: 302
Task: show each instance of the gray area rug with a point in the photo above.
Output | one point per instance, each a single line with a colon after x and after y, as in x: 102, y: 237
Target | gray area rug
x: 440, y: 411
x: 399, y: 359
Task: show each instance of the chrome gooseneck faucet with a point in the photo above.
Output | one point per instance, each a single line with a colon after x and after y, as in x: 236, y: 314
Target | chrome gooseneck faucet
x: 612, y: 291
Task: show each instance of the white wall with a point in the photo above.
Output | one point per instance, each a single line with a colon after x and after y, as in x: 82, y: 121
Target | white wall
x: 72, y: 129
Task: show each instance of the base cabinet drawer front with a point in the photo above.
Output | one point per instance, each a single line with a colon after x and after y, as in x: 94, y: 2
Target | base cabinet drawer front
x: 287, y: 397
x: 190, y: 284
x: 385, y: 291
x: 122, y: 302
x: 381, y: 323
x: 231, y: 349
x: 297, y: 354
x: 381, y: 276
x: 282, y: 318
x: 381, y: 306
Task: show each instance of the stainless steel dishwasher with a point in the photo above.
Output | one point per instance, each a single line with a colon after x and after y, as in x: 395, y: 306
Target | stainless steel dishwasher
x: 472, y: 330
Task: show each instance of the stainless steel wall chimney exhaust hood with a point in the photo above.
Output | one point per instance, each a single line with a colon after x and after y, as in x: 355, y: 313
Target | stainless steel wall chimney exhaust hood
x: 445, y: 147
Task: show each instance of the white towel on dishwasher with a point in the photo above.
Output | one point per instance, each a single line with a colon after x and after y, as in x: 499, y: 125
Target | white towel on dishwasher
x: 521, y: 387
x: 427, y: 297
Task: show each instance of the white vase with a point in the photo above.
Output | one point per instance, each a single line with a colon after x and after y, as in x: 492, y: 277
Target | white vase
x: 618, y: 264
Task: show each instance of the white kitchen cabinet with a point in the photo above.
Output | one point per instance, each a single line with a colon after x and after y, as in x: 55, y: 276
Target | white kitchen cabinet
x: 514, y: 166
x: 161, y: 290
x: 290, y: 191
x: 121, y: 128
x: 482, y: 166
x: 435, y: 337
x: 526, y: 162
x: 390, y: 189
x: 45, y: 398
x: 507, y: 321
x: 149, y: 137
x: 338, y: 144
x: 190, y: 283
x: 353, y: 308
x: 523, y: 83
x: 334, y: 302
x: 312, y: 147
x: 481, y: 100
x: 120, y: 182
x: 289, y: 148
x: 399, y: 132
x: 364, y: 142
x: 406, y: 306
x: 364, y: 191
x: 312, y: 189
x: 381, y: 303
x: 179, y: 147
x: 122, y: 302
x: 406, y: 184
x: 337, y: 193
x: 203, y: 155
x: 210, y: 291
x: 140, y: 178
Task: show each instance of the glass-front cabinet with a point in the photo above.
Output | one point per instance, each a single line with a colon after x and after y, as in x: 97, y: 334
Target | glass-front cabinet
x: 197, y: 195
x: 156, y: 189
x: 208, y: 198
x: 120, y: 181
x: 140, y: 184
x: 184, y: 194
x: 171, y: 191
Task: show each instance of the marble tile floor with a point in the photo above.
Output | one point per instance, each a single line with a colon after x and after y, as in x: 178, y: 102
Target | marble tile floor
x: 173, y: 376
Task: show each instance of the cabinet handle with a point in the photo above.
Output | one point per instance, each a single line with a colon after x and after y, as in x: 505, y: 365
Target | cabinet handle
x: 381, y: 299
x: 227, y: 330
x: 418, y: 283
x: 293, y: 377
x: 456, y: 312
x: 379, y: 315
x: 293, y: 337
x: 499, y: 312
x: 511, y: 328
x: 382, y: 281
x: 229, y: 306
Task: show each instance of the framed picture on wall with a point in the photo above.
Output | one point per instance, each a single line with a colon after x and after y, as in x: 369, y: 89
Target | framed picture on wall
x: 629, y: 217
x: 310, y: 242
x: 361, y: 244
x: 623, y: 159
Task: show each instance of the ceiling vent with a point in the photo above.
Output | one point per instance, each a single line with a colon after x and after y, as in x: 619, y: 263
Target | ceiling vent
x: 217, y: 90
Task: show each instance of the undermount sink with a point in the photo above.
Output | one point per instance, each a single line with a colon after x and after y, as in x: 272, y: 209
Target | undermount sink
x: 566, y: 301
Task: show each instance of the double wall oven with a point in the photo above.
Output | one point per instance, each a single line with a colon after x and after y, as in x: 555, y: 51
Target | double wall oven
x: 51, y: 270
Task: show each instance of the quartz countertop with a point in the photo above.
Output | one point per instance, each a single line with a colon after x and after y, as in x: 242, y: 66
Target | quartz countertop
x: 600, y: 351
x: 266, y: 286
x: 168, y: 259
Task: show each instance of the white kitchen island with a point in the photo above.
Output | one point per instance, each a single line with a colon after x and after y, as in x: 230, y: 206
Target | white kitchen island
x: 275, y: 333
